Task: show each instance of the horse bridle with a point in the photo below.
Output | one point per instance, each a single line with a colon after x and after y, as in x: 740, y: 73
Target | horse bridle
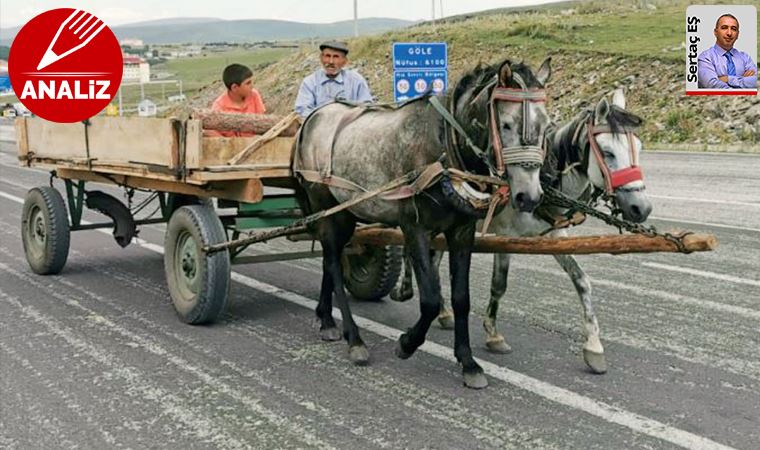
x: 519, y: 154
x: 617, y: 178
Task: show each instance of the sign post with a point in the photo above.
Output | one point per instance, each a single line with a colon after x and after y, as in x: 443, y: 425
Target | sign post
x: 419, y: 68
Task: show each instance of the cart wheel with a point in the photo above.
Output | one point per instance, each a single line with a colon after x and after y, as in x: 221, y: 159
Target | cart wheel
x: 45, y: 230
x: 199, y: 283
x: 372, y: 274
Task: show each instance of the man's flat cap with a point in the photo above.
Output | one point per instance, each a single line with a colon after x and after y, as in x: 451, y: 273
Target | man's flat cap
x: 335, y: 45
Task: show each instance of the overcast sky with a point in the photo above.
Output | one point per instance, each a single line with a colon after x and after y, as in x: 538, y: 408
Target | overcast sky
x: 119, y: 12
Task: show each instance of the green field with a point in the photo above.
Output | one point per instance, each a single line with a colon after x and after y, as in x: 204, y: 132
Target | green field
x: 199, y: 71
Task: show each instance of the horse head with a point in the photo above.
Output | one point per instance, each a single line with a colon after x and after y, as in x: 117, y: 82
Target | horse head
x: 614, y: 162
x: 504, y: 110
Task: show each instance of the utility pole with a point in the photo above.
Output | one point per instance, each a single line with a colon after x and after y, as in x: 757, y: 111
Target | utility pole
x: 432, y: 9
x: 440, y: 9
x: 356, y: 19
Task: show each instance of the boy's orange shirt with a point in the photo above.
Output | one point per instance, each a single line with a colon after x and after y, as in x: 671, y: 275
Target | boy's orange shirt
x: 253, y: 104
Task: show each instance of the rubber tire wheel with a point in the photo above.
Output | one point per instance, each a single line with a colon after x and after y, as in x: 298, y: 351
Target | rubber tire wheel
x: 371, y: 275
x: 46, y: 247
x: 199, y: 296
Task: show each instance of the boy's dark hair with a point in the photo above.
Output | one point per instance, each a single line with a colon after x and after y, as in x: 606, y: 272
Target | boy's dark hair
x: 235, y: 74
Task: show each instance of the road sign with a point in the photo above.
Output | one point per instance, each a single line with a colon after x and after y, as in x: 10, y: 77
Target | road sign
x: 419, y: 68
x: 420, y: 55
x: 413, y: 83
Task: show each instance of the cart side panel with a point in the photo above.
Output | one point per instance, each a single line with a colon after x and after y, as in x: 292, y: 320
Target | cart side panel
x: 133, y: 140
x: 112, y: 140
x: 50, y: 140
x: 217, y: 151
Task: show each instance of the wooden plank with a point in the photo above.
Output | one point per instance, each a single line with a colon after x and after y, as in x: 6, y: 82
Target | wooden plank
x: 22, y: 140
x: 124, y: 139
x: 55, y: 140
x: 217, y: 151
x: 260, y: 172
x: 260, y: 141
x: 193, y: 144
x: 576, y: 245
x: 141, y: 140
x: 250, y: 191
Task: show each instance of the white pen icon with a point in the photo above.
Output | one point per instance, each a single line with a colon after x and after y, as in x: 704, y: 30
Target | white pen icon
x: 86, y: 26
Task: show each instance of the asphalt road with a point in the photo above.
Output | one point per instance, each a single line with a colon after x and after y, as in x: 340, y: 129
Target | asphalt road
x: 96, y: 358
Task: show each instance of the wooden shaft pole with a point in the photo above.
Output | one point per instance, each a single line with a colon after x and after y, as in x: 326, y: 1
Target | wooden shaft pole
x: 576, y: 245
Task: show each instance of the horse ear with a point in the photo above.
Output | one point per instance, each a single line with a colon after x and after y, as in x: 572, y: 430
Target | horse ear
x: 602, y: 110
x: 618, y: 98
x: 545, y: 71
x: 505, y: 73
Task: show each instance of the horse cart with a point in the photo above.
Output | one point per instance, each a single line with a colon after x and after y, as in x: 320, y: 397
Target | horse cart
x: 181, y: 170
x: 251, y: 178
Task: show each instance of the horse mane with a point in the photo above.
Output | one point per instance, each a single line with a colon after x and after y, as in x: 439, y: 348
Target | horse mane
x: 475, y: 80
x: 619, y: 118
x: 482, y: 76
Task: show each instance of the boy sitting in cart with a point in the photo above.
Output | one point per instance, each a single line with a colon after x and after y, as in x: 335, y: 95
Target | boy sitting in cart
x: 240, y: 98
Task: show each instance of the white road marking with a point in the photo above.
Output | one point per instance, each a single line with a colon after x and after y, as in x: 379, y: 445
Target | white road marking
x: 704, y: 200
x: 703, y: 273
x: 602, y: 410
x: 656, y: 293
x: 706, y: 224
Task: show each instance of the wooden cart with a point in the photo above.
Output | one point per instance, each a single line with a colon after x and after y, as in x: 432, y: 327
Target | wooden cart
x: 183, y: 170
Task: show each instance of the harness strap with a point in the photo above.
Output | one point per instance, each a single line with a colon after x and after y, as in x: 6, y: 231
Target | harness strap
x: 454, y: 124
x: 429, y: 176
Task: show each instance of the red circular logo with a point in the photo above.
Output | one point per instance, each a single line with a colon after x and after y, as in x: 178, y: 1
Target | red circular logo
x: 65, y: 65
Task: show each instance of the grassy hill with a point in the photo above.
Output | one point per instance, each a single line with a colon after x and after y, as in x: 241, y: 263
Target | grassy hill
x: 595, y: 46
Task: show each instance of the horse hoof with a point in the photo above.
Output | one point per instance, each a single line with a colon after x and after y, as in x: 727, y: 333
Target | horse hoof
x: 475, y: 380
x: 399, y: 295
x: 498, y: 345
x: 400, y: 352
x: 595, y: 361
x: 446, y: 322
x: 330, y: 334
x: 359, y: 355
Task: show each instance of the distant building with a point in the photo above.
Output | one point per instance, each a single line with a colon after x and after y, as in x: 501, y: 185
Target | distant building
x: 132, y: 42
x: 136, y: 70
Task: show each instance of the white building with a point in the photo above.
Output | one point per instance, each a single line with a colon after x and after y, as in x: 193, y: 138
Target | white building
x: 132, y: 42
x: 136, y: 70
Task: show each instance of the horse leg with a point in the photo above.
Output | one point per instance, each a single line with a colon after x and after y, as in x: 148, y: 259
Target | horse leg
x: 417, y: 242
x: 403, y: 290
x: 495, y: 341
x: 328, y: 331
x: 334, y: 233
x: 460, y: 242
x: 593, y: 352
x: 445, y: 316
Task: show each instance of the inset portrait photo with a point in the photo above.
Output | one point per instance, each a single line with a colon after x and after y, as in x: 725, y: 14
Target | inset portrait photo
x: 721, y: 50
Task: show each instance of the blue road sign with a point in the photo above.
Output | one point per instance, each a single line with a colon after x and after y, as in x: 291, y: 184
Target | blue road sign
x: 413, y: 83
x: 5, y: 83
x: 419, y: 67
x: 420, y: 55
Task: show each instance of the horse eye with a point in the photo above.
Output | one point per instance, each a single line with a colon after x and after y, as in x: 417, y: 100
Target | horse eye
x: 609, y: 155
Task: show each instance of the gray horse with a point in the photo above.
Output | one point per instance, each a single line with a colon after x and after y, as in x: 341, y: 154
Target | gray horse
x: 595, y: 152
x: 343, y: 151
